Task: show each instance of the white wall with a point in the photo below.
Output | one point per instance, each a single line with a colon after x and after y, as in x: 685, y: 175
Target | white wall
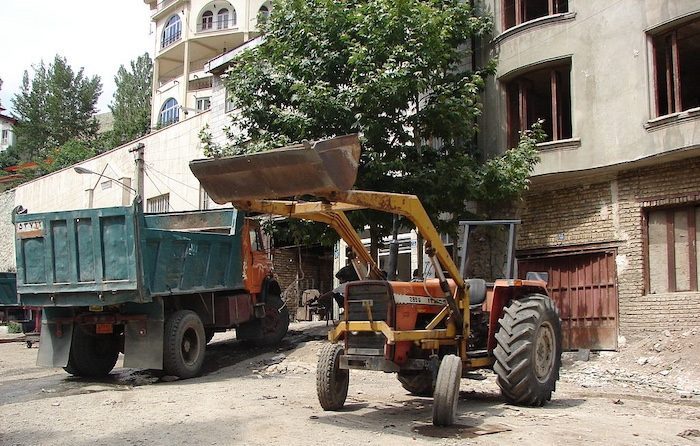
x: 167, y: 155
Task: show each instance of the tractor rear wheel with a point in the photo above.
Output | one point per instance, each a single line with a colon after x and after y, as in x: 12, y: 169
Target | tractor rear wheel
x: 420, y: 384
x: 92, y: 355
x: 528, y: 354
x: 331, y: 381
x: 446, y: 393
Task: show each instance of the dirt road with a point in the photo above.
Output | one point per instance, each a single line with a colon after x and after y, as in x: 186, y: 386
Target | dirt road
x: 262, y: 397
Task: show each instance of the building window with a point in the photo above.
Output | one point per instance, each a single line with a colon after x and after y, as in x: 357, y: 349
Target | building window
x: 172, y: 31
x: 161, y: 203
x: 540, y: 94
x: 676, y: 66
x: 222, y: 19
x: 5, y: 137
x: 169, y: 113
x: 207, y: 20
x: 672, y: 255
x: 203, y: 104
x: 229, y: 105
x: 516, y: 12
x: 263, y: 13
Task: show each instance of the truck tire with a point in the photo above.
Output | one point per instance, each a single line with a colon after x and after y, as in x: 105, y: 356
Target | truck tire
x: 91, y: 355
x: 528, y: 354
x: 420, y: 384
x: 275, y: 324
x: 331, y: 381
x: 446, y: 395
x: 184, y: 343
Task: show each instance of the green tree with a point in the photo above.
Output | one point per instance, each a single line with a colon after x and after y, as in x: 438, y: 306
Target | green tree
x: 55, y: 105
x: 395, y: 71
x: 70, y: 153
x: 132, y: 100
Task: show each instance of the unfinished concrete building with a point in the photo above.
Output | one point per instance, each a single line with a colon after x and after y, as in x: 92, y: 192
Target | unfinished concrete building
x: 613, y: 213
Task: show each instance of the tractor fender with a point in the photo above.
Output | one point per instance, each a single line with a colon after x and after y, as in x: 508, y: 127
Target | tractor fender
x: 503, y: 292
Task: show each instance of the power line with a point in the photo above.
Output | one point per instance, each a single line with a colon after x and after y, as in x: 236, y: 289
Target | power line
x: 169, y: 190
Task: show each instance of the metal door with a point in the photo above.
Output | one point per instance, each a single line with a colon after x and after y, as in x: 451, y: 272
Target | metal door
x: 584, y: 289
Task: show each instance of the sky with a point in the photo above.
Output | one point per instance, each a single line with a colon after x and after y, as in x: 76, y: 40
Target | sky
x: 98, y: 35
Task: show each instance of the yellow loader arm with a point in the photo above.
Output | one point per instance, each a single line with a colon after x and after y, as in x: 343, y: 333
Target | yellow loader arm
x: 326, y: 169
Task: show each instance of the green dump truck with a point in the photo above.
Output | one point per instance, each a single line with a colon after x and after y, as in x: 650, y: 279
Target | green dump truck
x: 153, y: 286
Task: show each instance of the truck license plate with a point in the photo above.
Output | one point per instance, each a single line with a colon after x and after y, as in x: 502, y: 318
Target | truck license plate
x: 29, y: 229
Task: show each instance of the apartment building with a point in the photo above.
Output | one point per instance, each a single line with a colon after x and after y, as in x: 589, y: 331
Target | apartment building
x: 613, y: 213
x: 188, y: 34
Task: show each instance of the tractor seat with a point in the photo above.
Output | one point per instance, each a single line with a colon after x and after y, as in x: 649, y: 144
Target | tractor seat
x: 477, y: 291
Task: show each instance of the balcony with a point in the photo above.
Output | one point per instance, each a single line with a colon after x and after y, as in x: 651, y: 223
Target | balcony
x: 207, y: 26
x: 163, y: 7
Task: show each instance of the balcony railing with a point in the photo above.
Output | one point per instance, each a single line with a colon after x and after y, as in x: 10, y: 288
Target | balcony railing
x: 164, y: 4
x: 216, y: 25
x: 200, y: 83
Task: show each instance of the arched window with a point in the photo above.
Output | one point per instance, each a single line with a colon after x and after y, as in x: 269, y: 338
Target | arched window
x: 207, y: 20
x: 172, y: 31
x: 263, y: 13
x: 222, y: 19
x: 169, y: 112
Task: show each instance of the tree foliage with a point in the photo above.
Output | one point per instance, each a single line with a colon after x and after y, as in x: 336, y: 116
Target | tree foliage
x: 132, y: 100
x: 395, y: 71
x: 55, y: 105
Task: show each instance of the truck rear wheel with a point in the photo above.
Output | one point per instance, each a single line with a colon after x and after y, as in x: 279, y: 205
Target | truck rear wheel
x: 528, y: 354
x: 184, y: 344
x: 446, y: 393
x: 331, y: 381
x: 270, y: 329
x: 420, y: 384
x: 92, y: 355
x: 276, y: 321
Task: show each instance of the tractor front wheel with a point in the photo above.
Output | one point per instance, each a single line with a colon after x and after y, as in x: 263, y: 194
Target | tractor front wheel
x: 331, y: 381
x: 446, y: 393
x: 528, y: 354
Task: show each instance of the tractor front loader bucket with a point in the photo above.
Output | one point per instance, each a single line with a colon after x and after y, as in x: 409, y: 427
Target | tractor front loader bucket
x: 306, y: 169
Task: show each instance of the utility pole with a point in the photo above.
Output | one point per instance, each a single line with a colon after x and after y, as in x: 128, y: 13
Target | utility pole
x: 139, y: 150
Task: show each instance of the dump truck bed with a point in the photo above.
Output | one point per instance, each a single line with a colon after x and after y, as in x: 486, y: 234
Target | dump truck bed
x: 115, y: 255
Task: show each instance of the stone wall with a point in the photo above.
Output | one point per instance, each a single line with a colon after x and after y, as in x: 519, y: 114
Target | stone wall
x: 7, y: 232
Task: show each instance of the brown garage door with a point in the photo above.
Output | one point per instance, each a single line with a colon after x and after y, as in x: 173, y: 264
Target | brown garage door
x: 583, y: 287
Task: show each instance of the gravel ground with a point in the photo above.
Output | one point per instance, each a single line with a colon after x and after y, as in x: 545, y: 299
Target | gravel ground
x: 263, y: 397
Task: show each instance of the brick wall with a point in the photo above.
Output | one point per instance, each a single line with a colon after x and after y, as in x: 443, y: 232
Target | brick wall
x: 610, y: 212
x: 664, y: 184
x: 567, y: 216
x: 316, y: 272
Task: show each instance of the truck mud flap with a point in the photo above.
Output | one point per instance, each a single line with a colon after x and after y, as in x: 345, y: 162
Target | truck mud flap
x: 54, y: 343
x: 143, y: 340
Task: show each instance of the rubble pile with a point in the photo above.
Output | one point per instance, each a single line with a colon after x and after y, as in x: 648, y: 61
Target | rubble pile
x: 665, y: 362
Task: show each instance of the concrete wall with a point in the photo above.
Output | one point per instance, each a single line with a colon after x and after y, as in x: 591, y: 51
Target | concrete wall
x: 611, y: 87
